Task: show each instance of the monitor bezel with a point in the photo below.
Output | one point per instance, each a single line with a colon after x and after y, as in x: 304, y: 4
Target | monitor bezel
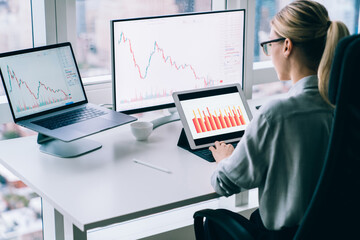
x: 36, y: 49
x: 166, y: 105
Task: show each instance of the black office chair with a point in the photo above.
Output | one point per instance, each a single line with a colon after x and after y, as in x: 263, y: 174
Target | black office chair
x: 334, y: 211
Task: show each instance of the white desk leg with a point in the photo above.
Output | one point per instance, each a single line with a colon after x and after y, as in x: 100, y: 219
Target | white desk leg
x: 48, y: 220
x: 237, y: 200
x: 68, y: 230
x: 59, y: 226
x: 242, y: 198
x: 55, y: 226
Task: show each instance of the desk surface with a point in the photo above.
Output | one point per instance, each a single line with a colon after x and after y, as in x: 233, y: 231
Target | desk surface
x: 106, y: 186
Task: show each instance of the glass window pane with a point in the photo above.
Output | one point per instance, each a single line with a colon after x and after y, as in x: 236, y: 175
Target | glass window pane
x: 343, y: 10
x: 93, y: 26
x: 15, y: 27
x: 264, y: 12
x: 20, y: 207
x: 268, y: 89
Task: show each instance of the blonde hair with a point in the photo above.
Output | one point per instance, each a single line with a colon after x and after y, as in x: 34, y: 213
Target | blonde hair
x: 308, y: 25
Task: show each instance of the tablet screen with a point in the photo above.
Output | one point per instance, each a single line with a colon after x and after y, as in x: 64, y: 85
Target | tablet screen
x: 214, y: 115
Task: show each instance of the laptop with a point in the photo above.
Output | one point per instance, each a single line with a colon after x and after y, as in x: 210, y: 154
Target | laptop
x: 212, y: 114
x: 46, y: 94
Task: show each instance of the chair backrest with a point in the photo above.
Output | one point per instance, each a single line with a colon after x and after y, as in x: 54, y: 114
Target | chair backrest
x: 334, y: 211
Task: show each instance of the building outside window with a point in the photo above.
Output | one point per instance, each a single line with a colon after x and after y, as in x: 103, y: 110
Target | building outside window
x: 15, y: 27
x: 343, y: 10
x: 20, y: 207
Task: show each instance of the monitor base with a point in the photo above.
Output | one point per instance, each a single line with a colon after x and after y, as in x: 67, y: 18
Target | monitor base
x: 62, y: 149
x: 174, y: 116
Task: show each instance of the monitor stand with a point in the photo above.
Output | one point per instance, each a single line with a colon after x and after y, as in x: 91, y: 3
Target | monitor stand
x: 62, y: 149
x: 174, y: 116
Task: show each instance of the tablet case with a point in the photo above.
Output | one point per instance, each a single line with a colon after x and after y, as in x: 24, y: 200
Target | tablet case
x: 204, y: 153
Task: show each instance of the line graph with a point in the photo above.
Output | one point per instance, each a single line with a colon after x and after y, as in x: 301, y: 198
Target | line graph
x: 166, y: 59
x: 30, y: 97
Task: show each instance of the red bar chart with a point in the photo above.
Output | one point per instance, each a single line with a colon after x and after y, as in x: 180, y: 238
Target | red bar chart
x: 205, y: 120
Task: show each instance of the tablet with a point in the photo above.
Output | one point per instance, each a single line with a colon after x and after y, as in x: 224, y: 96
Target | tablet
x: 212, y: 114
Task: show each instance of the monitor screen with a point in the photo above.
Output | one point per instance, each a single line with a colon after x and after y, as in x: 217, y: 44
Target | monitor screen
x: 156, y: 56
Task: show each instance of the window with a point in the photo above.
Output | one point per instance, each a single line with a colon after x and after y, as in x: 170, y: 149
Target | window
x: 343, y: 10
x: 265, y: 11
x: 20, y: 207
x: 93, y: 26
x: 15, y: 27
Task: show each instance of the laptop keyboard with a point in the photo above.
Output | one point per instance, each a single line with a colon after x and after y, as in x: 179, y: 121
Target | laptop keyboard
x: 206, y: 154
x: 69, y: 118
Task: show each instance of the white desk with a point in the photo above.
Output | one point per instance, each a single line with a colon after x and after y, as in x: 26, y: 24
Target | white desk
x: 106, y: 187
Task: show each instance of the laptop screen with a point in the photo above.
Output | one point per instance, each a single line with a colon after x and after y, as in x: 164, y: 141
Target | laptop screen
x: 41, y: 79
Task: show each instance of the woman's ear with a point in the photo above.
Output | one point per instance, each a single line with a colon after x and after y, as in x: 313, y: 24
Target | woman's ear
x: 288, y: 47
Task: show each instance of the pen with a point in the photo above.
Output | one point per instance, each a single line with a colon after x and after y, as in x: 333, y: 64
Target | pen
x: 151, y: 166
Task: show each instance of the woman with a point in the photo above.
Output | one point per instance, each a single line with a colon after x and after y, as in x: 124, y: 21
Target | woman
x: 284, y: 146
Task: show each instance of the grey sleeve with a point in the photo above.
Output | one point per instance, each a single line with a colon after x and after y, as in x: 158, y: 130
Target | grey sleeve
x: 246, y: 167
x: 223, y: 185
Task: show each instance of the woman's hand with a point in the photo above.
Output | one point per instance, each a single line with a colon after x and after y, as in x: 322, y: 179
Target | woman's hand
x: 221, y: 150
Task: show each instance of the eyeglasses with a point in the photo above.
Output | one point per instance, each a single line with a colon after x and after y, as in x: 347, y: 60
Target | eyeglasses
x: 267, y: 45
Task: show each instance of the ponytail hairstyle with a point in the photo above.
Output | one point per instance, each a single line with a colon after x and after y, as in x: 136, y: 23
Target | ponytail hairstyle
x: 308, y: 25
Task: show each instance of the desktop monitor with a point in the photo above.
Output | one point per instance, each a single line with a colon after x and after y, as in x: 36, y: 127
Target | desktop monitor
x: 155, y: 56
